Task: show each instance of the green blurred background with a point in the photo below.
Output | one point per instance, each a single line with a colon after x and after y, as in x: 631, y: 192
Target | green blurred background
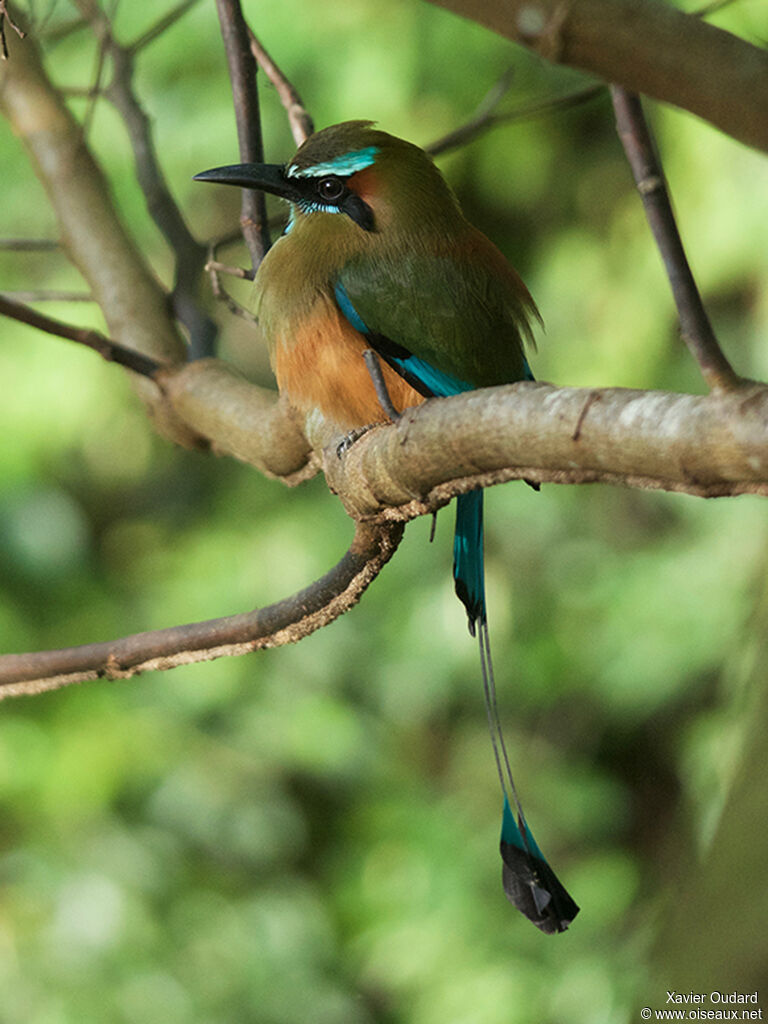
x: 311, y: 833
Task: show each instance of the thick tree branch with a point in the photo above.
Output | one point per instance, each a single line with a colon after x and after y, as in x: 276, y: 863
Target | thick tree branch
x: 278, y: 624
x: 708, y: 446
x: 235, y: 417
x: 646, y: 46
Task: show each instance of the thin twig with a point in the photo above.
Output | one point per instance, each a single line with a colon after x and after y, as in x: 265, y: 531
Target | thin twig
x: 711, y: 8
x: 160, y: 26
x: 695, y: 326
x: 497, y: 92
x: 236, y: 308
x: 484, y: 119
x: 277, y: 624
x: 109, y: 350
x: 95, y: 90
x: 299, y: 119
x: 80, y: 91
x: 230, y: 271
x: 213, y: 269
x: 242, y: 73
x: 29, y: 244
x: 5, y: 15
x: 49, y: 295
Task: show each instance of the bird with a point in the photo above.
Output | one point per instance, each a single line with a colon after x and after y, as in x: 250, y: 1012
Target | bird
x: 378, y: 296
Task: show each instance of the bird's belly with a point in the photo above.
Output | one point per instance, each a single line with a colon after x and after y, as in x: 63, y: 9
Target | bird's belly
x: 319, y: 364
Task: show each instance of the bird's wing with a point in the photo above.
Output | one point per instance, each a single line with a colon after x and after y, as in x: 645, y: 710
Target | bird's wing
x: 451, y: 321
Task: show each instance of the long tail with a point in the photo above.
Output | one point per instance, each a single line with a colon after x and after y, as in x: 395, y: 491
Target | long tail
x: 529, y: 881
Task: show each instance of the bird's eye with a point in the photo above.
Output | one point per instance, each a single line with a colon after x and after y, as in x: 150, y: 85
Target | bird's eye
x: 331, y: 188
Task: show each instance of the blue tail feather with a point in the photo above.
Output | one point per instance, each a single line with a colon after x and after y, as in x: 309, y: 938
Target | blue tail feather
x: 529, y: 882
x: 468, y: 559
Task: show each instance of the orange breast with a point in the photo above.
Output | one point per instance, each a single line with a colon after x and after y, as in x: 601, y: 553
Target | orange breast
x: 320, y: 365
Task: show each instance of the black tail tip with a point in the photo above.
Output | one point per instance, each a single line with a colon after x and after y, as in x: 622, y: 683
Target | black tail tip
x: 533, y: 887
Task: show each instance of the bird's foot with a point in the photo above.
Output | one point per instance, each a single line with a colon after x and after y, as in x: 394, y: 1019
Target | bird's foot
x: 379, y: 384
x: 349, y: 439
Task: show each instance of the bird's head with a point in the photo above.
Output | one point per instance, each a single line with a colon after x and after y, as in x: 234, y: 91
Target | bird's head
x: 352, y: 170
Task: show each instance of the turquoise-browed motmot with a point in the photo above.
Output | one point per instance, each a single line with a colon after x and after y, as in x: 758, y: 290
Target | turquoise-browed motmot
x: 378, y: 257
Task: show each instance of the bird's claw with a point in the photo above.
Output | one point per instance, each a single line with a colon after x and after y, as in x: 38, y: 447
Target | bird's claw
x: 349, y: 439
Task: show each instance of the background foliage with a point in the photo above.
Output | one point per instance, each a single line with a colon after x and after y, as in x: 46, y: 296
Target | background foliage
x: 311, y: 833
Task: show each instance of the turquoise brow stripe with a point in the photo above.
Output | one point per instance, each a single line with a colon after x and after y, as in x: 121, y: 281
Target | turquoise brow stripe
x: 348, y: 163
